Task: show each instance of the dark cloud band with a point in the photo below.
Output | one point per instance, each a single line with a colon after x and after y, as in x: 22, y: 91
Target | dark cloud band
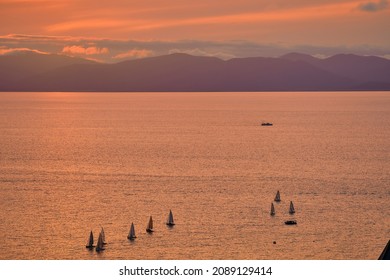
x: 374, y: 6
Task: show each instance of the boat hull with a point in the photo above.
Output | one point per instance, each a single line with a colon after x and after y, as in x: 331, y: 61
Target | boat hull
x: 290, y: 222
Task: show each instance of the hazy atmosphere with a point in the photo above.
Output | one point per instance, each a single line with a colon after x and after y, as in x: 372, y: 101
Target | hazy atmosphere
x: 112, y: 31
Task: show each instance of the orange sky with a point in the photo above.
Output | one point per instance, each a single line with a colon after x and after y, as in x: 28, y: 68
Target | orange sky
x: 324, y: 23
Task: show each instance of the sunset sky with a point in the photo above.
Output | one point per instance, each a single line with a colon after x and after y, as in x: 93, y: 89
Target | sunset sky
x: 125, y: 29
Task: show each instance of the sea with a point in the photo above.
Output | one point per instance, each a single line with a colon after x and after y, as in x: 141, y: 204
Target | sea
x: 76, y: 162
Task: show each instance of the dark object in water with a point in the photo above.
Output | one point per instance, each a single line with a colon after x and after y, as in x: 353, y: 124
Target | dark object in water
x: 149, y: 228
x: 90, y: 241
x: 99, y: 245
x: 170, y: 221
x: 131, y: 235
x: 292, y: 210
x: 386, y: 252
x: 266, y: 124
x: 103, y: 236
x: 272, y: 209
x: 277, y: 197
x: 290, y: 222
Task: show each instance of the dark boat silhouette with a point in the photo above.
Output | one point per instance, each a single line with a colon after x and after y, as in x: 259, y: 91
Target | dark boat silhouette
x: 290, y: 222
x: 131, y: 235
x: 386, y: 252
x: 292, y: 209
x: 149, y: 228
x: 99, y: 245
x: 90, y: 241
x: 170, y: 221
x: 277, y: 197
x: 272, y: 213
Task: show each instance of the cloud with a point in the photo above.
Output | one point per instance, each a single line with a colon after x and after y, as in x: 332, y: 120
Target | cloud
x: 113, y: 51
x: 374, y: 6
x: 80, y: 50
x: 6, y: 51
x: 201, y: 52
x: 252, y: 17
x: 134, y: 53
x: 87, y: 24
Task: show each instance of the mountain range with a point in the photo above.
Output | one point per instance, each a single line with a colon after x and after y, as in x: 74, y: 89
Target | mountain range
x: 182, y: 72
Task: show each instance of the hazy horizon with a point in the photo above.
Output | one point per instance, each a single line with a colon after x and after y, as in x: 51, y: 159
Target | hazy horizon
x: 187, y: 73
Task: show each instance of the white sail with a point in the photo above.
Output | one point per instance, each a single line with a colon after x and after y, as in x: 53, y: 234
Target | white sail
x: 103, y: 236
x: 99, y: 245
x: 170, y: 221
x: 292, y: 210
x: 131, y: 235
x: 90, y: 241
x: 277, y: 197
x: 149, y: 228
x: 272, y: 209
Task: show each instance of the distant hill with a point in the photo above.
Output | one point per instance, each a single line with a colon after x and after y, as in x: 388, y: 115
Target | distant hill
x: 19, y: 66
x: 182, y: 72
x: 364, y: 70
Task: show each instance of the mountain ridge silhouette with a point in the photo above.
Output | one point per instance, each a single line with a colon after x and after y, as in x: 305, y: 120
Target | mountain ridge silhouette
x: 184, y: 72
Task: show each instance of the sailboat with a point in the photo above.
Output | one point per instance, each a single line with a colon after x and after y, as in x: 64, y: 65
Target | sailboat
x: 292, y: 210
x: 131, y: 235
x: 103, y: 237
x: 277, y: 197
x: 149, y: 228
x: 272, y: 209
x: 386, y: 252
x: 170, y: 221
x: 90, y: 241
x: 99, y: 245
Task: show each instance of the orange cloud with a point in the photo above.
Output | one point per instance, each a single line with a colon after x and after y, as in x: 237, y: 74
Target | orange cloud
x: 87, y: 24
x: 301, y: 22
x: 298, y: 14
x: 135, y: 53
x: 84, y: 50
x: 5, y: 50
x: 314, y: 11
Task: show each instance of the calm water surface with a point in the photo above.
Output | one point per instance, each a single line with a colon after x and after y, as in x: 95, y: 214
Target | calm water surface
x: 73, y: 162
